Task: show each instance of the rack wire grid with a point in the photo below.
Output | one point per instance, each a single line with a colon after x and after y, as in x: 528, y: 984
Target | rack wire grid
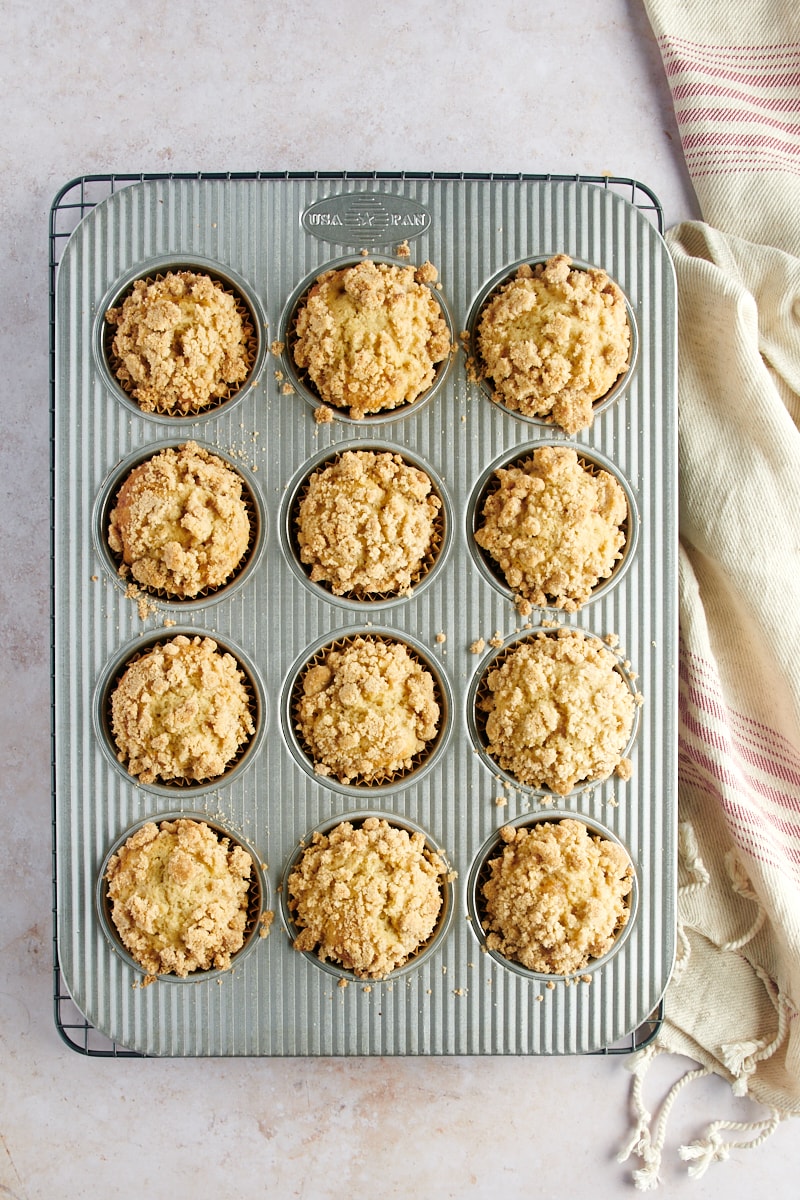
x: 69, y: 206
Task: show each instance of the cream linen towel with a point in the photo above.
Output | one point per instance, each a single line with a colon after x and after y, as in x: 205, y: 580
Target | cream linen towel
x: 732, y: 1004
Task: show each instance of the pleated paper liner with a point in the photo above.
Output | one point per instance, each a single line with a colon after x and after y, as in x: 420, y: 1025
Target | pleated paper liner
x: 477, y: 366
x: 480, y: 922
x: 253, y: 335
x: 299, y: 378
x: 383, y: 779
x: 423, y: 952
x: 363, y: 595
x: 479, y: 693
x: 256, y: 898
x: 591, y: 461
x: 256, y: 702
x: 108, y: 498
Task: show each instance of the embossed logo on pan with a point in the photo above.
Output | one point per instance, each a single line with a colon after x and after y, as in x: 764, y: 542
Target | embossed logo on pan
x: 365, y: 219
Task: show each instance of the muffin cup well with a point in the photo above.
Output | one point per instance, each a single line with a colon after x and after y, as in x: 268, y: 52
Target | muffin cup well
x: 256, y: 907
x: 592, y: 461
x: 424, y: 952
x: 477, y: 368
x: 361, y: 599
x: 298, y: 379
x: 106, y: 501
x: 390, y: 781
x: 476, y: 717
x: 247, y: 303
x: 476, y: 903
x: 253, y: 686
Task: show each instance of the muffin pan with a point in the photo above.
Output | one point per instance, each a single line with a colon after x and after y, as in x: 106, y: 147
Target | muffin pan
x: 267, y: 237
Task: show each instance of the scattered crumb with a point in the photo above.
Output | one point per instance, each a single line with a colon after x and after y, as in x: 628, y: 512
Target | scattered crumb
x: 441, y: 637
x: 478, y: 646
x: 403, y: 250
x: 323, y: 414
x: 497, y: 639
x: 277, y: 348
x: 287, y: 389
x: 95, y: 578
x: 266, y: 923
x: 501, y: 801
x: 343, y: 983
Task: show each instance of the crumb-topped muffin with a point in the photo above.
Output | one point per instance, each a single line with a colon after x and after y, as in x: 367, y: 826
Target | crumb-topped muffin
x: 180, y: 523
x: 370, y: 336
x: 556, y: 897
x: 366, y: 897
x: 366, y: 709
x: 559, y: 712
x: 366, y: 523
x: 180, y: 343
x: 553, y: 340
x: 181, y: 712
x: 553, y: 527
x: 178, y: 896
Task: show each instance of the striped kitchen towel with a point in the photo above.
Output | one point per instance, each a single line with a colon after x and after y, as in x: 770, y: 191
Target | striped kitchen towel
x: 732, y: 1004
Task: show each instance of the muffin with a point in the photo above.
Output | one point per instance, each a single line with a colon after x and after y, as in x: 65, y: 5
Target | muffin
x: 181, y: 711
x: 556, y: 897
x: 553, y: 340
x: 369, y: 336
x: 180, y: 343
x: 366, y: 897
x: 554, y: 527
x: 180, y: 524
x: 366, y: 524
x: 178, y: 896
x: 366, y: 709
x: 559, y: 712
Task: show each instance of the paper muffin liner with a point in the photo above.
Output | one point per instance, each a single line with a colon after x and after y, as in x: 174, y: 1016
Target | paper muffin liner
x: 108, y: 497
x: 257, y: 898
x: 300, y: 380
x: 479, y: 692
x: 360, y: 596
x: 592, y: 461
x: 477, y: 368
x: 420, y: 762
x: 246, y: 306
x: 423, y: 952
x: 480, y: 872
x: 257, y: 705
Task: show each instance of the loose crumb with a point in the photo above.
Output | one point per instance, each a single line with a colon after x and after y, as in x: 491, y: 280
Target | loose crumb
x: 478, y: 646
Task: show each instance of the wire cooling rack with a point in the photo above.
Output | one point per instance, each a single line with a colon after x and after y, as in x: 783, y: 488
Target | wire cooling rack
x: 75, y: 199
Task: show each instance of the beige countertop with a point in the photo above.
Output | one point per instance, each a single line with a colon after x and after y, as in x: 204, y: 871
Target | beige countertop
x: 506, y: 87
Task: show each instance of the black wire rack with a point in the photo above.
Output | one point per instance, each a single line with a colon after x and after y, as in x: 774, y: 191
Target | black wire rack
x: 70, y: 205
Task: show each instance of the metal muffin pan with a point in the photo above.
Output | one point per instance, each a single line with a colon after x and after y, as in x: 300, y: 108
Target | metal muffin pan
x: 270, y: 235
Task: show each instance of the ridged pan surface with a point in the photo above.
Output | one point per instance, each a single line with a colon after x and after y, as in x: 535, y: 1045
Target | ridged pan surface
x: 270, y: 236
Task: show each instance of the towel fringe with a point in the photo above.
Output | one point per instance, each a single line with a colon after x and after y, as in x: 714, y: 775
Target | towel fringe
x: 647, y: 1140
